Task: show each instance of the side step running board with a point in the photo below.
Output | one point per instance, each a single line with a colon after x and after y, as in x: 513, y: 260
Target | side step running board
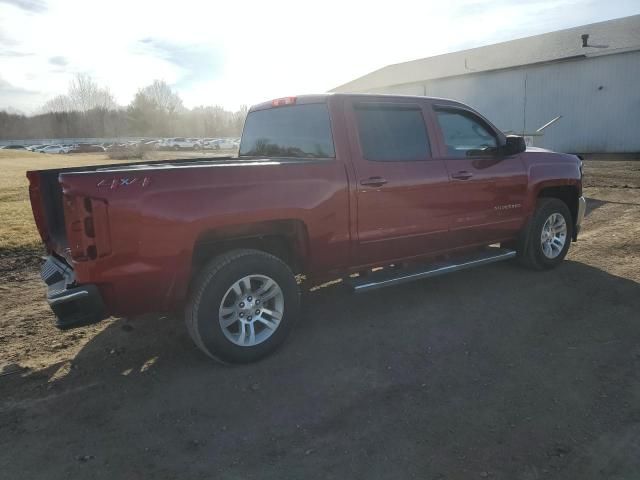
x: 388, y: 277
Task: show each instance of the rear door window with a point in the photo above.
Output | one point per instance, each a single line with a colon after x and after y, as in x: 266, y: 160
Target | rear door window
x: 392, y: 132
x: 302, y: 131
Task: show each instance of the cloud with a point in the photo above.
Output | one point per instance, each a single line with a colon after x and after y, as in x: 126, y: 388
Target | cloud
x: 6, y: 39
x: 196, y: 62
x: 13, y: 53
x: 58, y: 61
x: 10, y: 96
x: 247, y: 51
x: 36, y: 6
x: 7, y: 87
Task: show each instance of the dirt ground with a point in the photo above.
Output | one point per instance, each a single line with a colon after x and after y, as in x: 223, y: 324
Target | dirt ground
x: 497, y: 373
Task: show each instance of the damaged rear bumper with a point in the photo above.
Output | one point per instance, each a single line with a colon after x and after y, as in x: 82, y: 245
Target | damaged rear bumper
x: 73, y: 305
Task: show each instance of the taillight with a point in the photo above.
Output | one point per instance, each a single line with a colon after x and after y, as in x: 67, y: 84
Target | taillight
x: 88, y: 227
x: 279, y: 102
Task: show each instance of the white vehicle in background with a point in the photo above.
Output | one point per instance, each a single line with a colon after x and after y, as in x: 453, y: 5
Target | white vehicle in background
x: 54, y: 149
x: 222, y: 144
x: 182, y: 143
x: 151, y: 144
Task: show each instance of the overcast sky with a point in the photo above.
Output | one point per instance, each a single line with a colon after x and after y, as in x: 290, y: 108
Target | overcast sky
x: 236, y: 52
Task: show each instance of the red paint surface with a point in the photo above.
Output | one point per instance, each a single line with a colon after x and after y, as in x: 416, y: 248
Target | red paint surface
x: 146, y: 227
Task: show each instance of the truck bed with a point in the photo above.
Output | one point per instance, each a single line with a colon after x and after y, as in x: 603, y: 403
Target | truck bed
x: 45, y: 192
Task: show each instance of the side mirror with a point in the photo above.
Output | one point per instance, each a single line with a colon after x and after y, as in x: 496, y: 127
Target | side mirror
x: 515, y: 144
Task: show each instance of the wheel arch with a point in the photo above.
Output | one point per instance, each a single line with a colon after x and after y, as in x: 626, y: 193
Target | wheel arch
x: 285, y: 239
x: 567, y: 193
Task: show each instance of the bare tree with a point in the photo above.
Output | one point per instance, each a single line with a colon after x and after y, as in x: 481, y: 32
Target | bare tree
x: 165, y: 99
x: 59, y: 103
x: 85, y: 94
x: 88, y: 110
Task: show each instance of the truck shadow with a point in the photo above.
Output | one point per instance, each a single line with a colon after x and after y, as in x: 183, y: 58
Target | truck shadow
x: 333, y: 316
x: 498, y: 355
x: 594, y: 203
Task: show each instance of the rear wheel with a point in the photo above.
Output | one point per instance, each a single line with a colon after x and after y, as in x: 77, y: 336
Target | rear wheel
x: 242, y: 306
x: 549, y: 235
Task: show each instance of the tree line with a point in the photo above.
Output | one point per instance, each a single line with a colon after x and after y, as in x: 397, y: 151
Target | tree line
x: 88, y: 110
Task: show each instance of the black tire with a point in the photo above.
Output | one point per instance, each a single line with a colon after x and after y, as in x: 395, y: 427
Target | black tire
x: 530, y: 251
x: 208, y: 292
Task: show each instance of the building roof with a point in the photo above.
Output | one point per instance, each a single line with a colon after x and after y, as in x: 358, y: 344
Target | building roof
x: 605, y: 38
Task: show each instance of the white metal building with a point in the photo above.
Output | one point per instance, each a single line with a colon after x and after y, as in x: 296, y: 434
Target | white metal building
x: 589, y: 75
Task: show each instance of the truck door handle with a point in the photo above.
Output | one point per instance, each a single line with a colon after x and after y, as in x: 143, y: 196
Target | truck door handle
x: 462, y: 175
x: 373, y: 182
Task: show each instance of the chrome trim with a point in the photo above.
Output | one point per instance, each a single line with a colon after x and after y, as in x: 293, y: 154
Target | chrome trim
x: 432, y: 273
x: 68, y: 298
x: 582, y: 208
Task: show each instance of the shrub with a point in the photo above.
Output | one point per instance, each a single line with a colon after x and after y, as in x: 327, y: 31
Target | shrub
x: 133, y: 152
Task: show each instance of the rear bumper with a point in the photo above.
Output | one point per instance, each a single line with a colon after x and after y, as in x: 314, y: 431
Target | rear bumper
x: 582, y: 208
x: 73, y: 305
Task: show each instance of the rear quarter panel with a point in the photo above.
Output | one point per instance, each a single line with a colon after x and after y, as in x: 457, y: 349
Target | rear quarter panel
x: 156, y: 220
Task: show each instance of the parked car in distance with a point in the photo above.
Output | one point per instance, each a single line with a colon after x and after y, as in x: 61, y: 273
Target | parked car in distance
x: 116, y: 147
x: 374, y: 189
x: 151, y: 144
x: 182, y: 143
x: 86, y: 148
x: 54, y: 149
x: 221, y: 144
x: 38, y: 148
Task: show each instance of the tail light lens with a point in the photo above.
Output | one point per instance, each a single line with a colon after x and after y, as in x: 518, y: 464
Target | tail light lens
x: 88, y: 232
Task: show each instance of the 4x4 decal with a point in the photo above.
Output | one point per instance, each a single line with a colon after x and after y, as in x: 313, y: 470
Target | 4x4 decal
x: 117, y: 182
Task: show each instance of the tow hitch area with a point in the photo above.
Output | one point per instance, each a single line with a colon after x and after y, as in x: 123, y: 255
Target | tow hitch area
x: 73, y: 305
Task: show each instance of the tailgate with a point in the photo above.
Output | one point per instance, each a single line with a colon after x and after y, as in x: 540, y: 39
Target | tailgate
x: 45, y: 193
x: 48, y: 206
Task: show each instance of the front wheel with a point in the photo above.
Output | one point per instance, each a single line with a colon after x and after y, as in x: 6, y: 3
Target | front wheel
x: 242, y: 306
x: 549, y: 235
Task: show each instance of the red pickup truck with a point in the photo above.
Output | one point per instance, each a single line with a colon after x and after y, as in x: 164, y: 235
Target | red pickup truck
x: 325, y: 186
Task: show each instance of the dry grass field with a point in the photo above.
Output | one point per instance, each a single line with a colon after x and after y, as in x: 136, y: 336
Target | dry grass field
x: 497, y: 372
x: 17, y: 228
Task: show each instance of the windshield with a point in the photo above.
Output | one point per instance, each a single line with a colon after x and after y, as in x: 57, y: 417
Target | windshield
x: 293, y: 131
